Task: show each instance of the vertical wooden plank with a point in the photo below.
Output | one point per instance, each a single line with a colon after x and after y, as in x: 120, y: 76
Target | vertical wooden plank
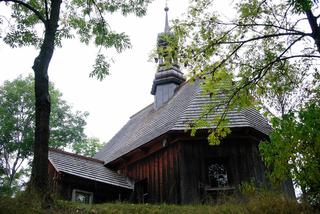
x: 141, y: 170
x: 136, y: 171
x: 202, y: 164
x: 236, y: 162
x: 171, y: 177
x: 147, y: 176
x: 144, y: 170
x: 160, y: 176
x: 182, y: 172
x: 151, y: 171
x: 167, y: 170
x: 132, y: 170
x: 178, y: 173
x: 156, y: 180
x: 176, y: 168
x: 164, y: 174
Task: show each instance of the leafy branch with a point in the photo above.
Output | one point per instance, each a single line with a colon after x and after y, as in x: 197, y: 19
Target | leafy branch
x: 29, y: 7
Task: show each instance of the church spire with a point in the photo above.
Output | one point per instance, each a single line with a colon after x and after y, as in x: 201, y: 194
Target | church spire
x: 168, y: 77
x: 165, y: 58
x: 166, y: 25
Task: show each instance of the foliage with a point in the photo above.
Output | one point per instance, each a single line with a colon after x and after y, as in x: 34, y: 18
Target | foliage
x: 260, y: 203
x: 270, y: 48
x: 248, y: 188
x: 17, y: 128
x: 44, y: 24
x: 295, y: 147
x: 266, y: 46
x: 283, y: 89
x: 87, y: 147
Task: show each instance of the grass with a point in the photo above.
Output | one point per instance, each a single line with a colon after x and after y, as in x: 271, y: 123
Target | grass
x: 255, y: 204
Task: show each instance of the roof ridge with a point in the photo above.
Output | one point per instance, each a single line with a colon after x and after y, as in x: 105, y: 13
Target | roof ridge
x: 135, y: 114
x: 164, y: 127
x: 76, y: 155
x: 176, y: 90
x: 184, y: 106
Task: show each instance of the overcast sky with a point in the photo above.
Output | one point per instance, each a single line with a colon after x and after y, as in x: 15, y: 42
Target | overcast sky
x: 123, y: 93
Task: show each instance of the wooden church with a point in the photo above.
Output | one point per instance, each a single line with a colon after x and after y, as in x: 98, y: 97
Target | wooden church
x: 154, y: 159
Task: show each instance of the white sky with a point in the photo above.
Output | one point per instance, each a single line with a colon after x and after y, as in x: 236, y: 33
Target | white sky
x: 120, y: 95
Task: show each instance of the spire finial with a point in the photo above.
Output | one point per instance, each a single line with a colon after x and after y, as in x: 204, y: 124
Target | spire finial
x: 166, y: 26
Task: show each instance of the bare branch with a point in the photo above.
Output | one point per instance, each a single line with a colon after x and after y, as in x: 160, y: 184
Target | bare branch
x: 297, y: 22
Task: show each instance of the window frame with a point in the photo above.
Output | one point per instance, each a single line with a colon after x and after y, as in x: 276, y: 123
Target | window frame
x: 75, y: 191
x: 222, y: 161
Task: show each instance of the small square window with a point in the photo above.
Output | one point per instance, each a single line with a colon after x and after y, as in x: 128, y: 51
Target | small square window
x: 217, y: 175
x: 82, y: 196
x: 217, y: 172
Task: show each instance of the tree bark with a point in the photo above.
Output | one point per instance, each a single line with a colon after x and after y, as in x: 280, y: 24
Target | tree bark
x: 314, y: 27
x: 39, y: 175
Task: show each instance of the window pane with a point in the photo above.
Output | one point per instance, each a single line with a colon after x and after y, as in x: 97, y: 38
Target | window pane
x: 82, y: 197
x: 217, y: 175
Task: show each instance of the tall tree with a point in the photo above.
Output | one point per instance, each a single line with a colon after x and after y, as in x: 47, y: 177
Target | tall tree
x: 43, y: 24
x: 265, y: 53
x: 294, y: 150
x: 17, y: 113
x: 260, y: 43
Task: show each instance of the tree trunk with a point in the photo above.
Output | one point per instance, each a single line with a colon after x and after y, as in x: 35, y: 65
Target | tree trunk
x: 39, y: 175
x: 314, y: 27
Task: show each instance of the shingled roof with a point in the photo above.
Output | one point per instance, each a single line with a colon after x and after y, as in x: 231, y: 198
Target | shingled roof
x: 176, y: 114
x: 88, y: 168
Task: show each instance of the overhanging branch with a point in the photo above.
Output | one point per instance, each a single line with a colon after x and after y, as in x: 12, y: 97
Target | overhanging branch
x: 28, y: 6
x: 261, y: 25
x: 264, y: 37
x: 261, y: 72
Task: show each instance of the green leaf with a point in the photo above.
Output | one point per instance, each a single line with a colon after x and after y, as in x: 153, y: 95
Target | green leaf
x: 101, y: 68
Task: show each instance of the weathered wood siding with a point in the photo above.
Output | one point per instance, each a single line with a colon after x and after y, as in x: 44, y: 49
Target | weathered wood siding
x: 62, y: 185
x: 101, y: 192
x: 54, y: 179
x: 177, y: 172
x: 242, y: 161
x: 161, y: 170
x: 192, y: 170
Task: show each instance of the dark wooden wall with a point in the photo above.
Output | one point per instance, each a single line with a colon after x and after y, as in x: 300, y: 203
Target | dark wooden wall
x: 176, y: 173
x: 62, y: 185
x: 54, y: 179
x: 101, y: 192
x: 242, y: 161
x: 174, y: 169
x: 161, y: 171
x: 192, y: 170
